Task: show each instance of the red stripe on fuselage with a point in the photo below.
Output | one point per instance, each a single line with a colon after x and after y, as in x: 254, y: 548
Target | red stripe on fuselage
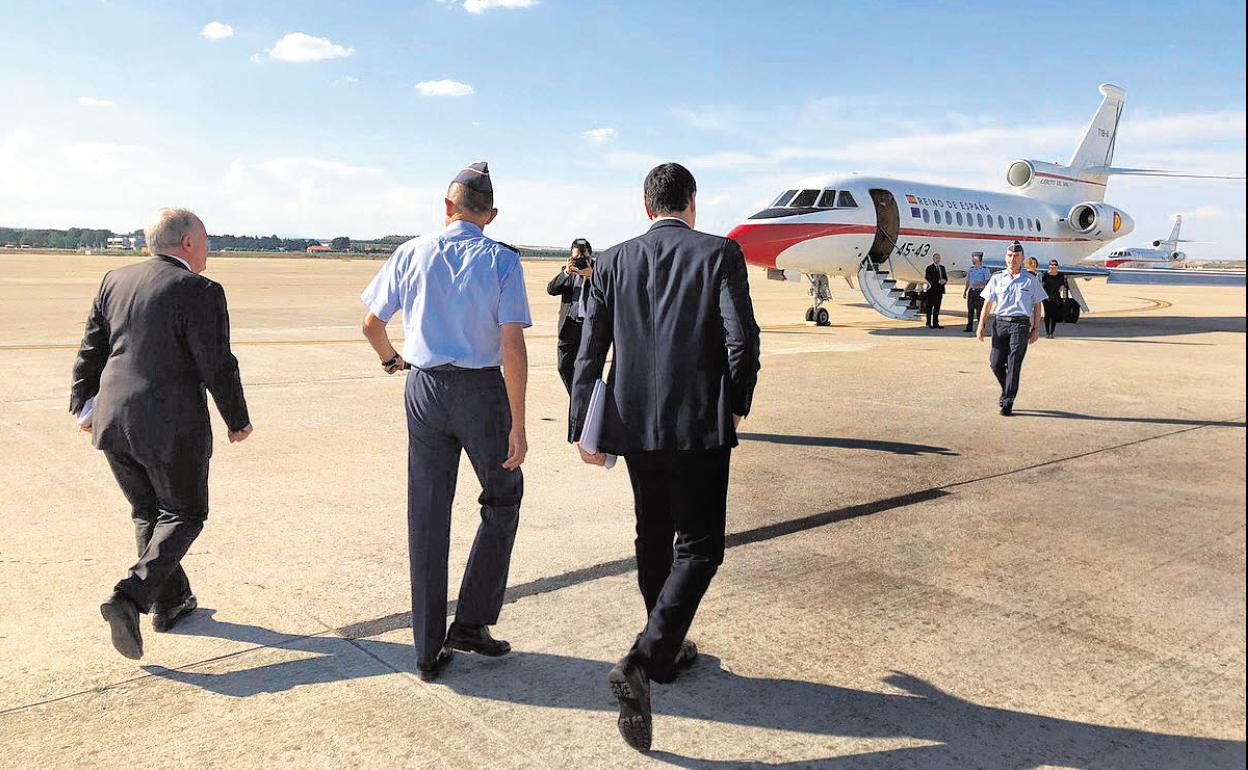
x: 974, y: 236
x: 1069, y: 179
x: 762, y: 243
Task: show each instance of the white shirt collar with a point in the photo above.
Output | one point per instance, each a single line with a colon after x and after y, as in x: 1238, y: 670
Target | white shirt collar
x: 185, y: 264
x: 677, y: 219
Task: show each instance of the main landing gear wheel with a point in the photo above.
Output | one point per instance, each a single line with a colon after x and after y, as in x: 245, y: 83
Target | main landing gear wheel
x: 820, y: 293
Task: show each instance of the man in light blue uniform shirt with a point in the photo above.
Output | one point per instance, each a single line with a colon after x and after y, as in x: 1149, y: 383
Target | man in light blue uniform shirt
x: 976, y: 279
x: 464, y: 314
x: 1015, y: 296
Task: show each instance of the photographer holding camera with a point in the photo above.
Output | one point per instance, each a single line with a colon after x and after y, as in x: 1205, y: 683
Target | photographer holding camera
x: 572, y: 285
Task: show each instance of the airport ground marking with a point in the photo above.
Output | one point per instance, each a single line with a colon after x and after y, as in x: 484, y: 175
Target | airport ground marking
x: 617, y: 567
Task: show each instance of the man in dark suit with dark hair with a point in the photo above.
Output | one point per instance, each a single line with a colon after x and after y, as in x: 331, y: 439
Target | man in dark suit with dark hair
x: 157, y: 337
x: 675, y: 304
x: 572, y: 287
x: 936, y: 278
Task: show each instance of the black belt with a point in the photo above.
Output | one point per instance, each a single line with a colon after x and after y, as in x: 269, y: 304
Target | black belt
x: 454, y: 368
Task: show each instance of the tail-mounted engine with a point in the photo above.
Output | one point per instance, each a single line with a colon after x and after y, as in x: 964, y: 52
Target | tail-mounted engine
x: 1093, y: 219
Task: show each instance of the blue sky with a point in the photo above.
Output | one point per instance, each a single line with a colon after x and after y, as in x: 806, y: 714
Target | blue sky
x: 328, y: 118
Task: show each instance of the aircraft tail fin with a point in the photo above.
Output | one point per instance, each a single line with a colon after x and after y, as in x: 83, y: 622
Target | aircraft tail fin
x: 1174, y: 234
x: 1097, y: 148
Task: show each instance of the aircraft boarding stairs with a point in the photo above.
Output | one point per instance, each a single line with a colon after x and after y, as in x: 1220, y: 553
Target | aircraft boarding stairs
x: 881, y: 292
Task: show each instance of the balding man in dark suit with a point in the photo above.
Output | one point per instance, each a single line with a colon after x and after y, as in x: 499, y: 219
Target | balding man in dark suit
x: 675, y: 304
x: 157, y: 337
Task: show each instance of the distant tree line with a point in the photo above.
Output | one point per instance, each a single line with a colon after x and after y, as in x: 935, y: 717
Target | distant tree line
x: 73, y: 238
x: 84, y: 238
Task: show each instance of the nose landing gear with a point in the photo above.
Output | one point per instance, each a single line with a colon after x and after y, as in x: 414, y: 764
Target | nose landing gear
x: 820, y: 293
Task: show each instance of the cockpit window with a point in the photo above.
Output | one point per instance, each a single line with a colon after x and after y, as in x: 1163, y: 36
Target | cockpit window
x: 847, y: 201
x: 804, y: 199
x: 784, y: 198
x: 827, y: 199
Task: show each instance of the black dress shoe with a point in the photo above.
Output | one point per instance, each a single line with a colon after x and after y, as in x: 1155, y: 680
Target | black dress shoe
x: 1007, y: 410
x: 428, y: 671
x: 631, y: 687
x: 475, y: 639
x: 684, y: 659
x: 937, y: 326
x: 122, y: 615
x: 165, y: 619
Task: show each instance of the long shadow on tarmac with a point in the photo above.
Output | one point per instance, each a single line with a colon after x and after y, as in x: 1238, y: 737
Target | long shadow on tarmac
x: 836, y: 442
x: 1110, y: 327
x: 962, y: 733
x: 1058, y: 414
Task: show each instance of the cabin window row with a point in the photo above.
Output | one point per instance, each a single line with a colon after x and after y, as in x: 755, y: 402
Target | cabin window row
x: 931, y: 216
x: 816, y: 199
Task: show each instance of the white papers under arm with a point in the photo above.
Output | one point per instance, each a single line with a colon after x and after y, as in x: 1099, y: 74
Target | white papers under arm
x: 594, y: 418
x: 84, y: 417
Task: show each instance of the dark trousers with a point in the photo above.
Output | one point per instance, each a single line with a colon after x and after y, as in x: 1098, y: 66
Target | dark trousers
x: 169, y: 503
x: 1010, y: 337
x: 974, y: 306
x: 1052, y: 314
x: 448, y: 411
x: 681, y: 500
x: 569, y: 346
x: 934, y: 299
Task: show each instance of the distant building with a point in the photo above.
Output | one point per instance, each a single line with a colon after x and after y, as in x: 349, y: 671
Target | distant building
x: 126, y: 243
x: 318, y: 248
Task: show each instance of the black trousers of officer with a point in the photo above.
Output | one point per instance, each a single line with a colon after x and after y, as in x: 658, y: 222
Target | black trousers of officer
x: 974, y: 306
x: 1010, y: 337
x: 449, y: 410
x: 169, y: 503
x: 681, y: 500
x: 569, y: 346
x: 934, y: 298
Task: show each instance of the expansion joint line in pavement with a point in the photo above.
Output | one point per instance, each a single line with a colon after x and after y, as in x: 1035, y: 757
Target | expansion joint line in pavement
x: 617, y: 567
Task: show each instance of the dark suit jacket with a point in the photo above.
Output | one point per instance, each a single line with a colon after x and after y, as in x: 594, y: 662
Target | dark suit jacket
x: 675, y: 303
x: 158, y: 335
x: 934, y: 274
x: 564, y: 287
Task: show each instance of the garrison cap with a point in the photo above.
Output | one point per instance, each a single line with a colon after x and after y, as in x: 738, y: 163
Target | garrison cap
x: 1015, y: 247
x: 476, y: 177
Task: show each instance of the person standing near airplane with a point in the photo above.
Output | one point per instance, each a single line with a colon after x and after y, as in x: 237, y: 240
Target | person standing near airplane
x: 572, y: 284
x: 976, y: 279
x: 1054, y: 282
x: 464, y: 314
x: 937, y: 278
x: 1015, y: 296
x: 674, y: 306
x: 157, y: 337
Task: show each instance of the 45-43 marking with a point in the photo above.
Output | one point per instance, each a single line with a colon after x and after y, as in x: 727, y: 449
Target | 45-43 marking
x: 911, y: 249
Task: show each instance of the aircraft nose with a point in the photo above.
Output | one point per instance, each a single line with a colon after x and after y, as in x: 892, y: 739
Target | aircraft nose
x: 760, y: 243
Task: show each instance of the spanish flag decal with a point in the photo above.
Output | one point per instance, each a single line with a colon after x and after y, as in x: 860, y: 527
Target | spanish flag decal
x: 1117, y: 221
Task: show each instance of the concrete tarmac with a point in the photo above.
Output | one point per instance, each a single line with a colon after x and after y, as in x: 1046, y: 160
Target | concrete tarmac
x: 912, y: 580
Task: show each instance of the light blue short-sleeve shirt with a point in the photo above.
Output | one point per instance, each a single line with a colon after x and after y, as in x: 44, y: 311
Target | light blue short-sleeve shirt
x: 978, y: 276
x: 1014, y: 295
x: 456, y: 289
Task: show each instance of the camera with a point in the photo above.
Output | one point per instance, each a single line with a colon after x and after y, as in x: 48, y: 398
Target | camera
x: 580, y: 262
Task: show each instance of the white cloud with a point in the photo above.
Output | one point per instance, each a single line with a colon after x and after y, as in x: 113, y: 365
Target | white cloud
x: 600, y: 135
x: 444, y: 88
x: 478, y: 7
x: 346, y: 80
x: 215, y: 30
x: 91, y: 101
x: 1212, y: 213
x: 299, y: 47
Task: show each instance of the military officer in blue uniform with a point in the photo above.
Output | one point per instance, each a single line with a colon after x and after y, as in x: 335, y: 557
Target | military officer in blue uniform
x: 1015, y: 296
x: 464, y: 313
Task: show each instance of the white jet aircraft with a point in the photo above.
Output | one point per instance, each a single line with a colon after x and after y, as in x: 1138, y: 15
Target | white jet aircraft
x: 882, y: 232
x: 1163, y: 254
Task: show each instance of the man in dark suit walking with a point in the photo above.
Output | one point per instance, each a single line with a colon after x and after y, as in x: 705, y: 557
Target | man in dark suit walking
x: 572, y: 287
x: 157, y: 337
x: 675, y: 304
x: 937, y: 279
